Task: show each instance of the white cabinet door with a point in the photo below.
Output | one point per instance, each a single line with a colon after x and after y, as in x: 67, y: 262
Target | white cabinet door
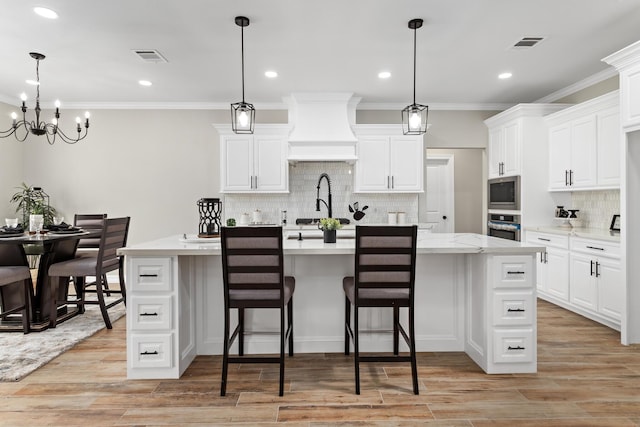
x: 559, y: 156
x: 270, y: 163
x: 496, y: 152
x: 236, y: 163
x: 252, y: 163
x: 582, y: 285
x: 583, y: 152
x: 512, y: 149
x: 372, y: 168
x: 390, y: 164
x: 609, y: 141
x: 611, y: 293
x: 406, y: 163
x: 557, y: 279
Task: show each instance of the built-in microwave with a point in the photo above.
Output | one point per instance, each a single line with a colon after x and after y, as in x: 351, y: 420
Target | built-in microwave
x: 504, y: 193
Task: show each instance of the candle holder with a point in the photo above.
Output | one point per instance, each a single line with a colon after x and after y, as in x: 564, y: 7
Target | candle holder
x: 210, y: 212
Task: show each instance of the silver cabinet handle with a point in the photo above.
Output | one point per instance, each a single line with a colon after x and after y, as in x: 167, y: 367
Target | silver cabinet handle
x: 543, y: 239
x: 392, y: 183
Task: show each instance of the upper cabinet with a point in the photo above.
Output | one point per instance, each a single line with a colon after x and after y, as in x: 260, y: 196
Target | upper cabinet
x: 584, y: 145
x: 388, y: 162
x: 627, y: 62
x: 505, y: 147
x: 254, y: 163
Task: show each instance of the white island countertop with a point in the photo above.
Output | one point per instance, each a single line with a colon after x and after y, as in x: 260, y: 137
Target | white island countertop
x: 428, y: 243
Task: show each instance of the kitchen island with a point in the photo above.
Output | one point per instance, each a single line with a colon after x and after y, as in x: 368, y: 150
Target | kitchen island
x: 474, y: 293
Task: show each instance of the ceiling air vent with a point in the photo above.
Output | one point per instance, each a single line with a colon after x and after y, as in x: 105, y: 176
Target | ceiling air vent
x: 527, y: 42
x: 150, y: 55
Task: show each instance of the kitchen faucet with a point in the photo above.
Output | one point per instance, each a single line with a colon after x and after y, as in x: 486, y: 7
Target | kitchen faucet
x: 318, y: 199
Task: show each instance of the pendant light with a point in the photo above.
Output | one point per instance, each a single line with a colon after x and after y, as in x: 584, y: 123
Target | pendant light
x: 414, y: 116
x: 242, y: 113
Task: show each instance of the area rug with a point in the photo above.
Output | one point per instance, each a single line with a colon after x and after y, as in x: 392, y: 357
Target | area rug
x: 22, y: 354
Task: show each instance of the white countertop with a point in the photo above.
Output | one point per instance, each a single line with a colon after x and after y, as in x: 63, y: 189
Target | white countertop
x: 428, y: 243
x: 587, y: 233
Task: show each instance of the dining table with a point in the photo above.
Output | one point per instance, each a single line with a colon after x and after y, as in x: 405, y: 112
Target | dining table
x: 50, y: 247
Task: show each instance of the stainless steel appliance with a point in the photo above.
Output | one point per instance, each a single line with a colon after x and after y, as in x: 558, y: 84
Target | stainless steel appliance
x: 504, y: 226
x: 504, y: 193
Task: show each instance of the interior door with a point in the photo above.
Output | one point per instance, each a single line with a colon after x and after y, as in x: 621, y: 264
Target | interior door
x: 439, y: 194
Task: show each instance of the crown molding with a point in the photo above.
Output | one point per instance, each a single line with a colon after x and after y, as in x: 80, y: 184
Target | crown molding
x: 439, y: 106
x: 582, y: 84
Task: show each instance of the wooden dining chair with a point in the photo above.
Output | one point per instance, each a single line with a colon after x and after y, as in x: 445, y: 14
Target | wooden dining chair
x: 253, y: 276
x: 113, y: 237
x: 88, y: 246
x: 385, y: 269
x: 14, y: 271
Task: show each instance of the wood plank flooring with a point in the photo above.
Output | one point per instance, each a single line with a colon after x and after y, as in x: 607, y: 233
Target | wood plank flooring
x: 585, y: 378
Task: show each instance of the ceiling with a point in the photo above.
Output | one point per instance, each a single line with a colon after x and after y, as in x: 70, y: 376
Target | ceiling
x: 328, y: 45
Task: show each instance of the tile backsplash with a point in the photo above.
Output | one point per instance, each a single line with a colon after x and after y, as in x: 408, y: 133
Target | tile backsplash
x: 596, y: 207
x: 300, y: 202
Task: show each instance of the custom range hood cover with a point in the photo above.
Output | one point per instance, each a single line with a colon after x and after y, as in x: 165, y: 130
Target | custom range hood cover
x: 322, y: 126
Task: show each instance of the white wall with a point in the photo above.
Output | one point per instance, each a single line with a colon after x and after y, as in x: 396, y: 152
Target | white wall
x: 152, y: 165
x: 11, y: 169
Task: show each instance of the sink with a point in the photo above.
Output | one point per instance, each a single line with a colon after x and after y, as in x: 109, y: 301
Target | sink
x: 318, y: 234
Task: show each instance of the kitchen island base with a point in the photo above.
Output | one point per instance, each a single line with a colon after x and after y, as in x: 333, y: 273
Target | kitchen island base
x: 477, y: 302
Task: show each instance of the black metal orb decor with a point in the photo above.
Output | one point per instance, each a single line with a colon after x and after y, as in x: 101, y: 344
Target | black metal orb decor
x: 210, y: 211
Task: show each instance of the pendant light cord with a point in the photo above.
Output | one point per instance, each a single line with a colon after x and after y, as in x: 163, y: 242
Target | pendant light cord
x: 242, y: 50
x: 414, y: 65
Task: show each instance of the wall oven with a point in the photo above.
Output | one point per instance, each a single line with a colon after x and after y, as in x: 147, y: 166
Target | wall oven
x: 504, y: 226
x: 504, y: 193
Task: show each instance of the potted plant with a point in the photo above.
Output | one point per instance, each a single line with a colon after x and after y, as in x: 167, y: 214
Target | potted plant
x: 329, y: 227
x: 32, y: 200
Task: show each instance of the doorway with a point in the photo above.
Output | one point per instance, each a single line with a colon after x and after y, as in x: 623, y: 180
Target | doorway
x: 440, y: 211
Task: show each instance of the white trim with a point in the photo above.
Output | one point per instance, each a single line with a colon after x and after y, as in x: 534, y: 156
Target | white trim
x: 582, y: 84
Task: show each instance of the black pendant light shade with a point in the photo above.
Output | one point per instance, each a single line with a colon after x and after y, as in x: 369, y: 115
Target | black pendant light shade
x: 243, y: 114
x: 414, y: 116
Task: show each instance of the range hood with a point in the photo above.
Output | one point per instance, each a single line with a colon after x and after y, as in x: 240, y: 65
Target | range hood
x: 322, y: 127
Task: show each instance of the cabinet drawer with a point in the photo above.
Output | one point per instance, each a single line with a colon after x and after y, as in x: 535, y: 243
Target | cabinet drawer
x: 151, y: 351
x: 547, y: 239
x: 151, y: 313
x: 513, y: 308
x: 151, y: 274
x: 513, y: 346
x: 513, y: 272
x: 595, y: 247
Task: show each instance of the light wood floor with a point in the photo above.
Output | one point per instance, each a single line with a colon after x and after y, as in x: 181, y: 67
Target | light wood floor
x: 585, y: 378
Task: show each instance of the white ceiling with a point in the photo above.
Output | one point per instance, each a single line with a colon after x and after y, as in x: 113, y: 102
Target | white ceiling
x: 323, y: 45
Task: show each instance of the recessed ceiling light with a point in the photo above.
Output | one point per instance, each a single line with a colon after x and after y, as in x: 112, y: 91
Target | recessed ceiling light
x: 32, y: 82
x: 45, y: 13
x: 384, y: 74
x: 144, y: 83
x: 506, y: 75
x: 271, y: 74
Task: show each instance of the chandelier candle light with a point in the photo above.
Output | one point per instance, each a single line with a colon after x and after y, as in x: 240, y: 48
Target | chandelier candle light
x: 38, y: 127
x: 242, y: 113
x: 414, y: 116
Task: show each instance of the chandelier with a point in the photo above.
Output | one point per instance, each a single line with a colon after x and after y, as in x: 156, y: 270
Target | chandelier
x: 243, y: 114
x: 414, y: 116
x: 37, y: 127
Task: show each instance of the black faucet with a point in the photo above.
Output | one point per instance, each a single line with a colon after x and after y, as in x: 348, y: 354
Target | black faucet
x: 318, y: 199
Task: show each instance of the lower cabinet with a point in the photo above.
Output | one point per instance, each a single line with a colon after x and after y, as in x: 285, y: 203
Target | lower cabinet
x: 501, y: 309
x: 596, y: 281
x: 153, y: 350
x: 582, y: 275
x: 552, y: 265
